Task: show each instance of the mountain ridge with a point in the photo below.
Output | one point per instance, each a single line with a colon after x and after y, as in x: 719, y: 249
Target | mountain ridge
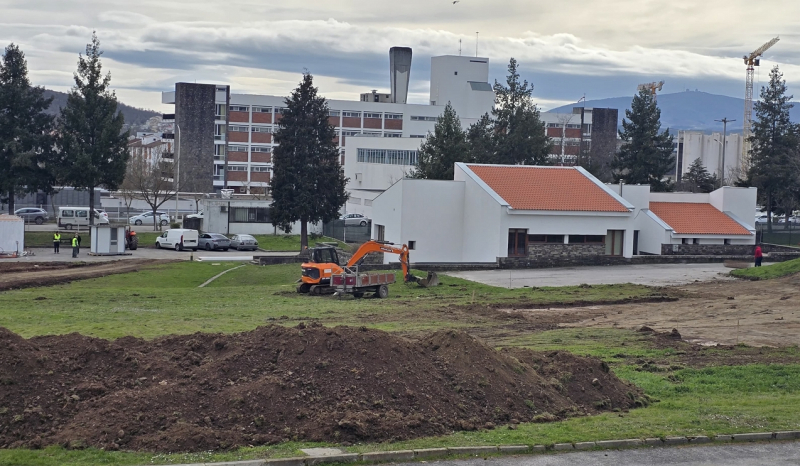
x: 687, y: 110
x: 133, y: 116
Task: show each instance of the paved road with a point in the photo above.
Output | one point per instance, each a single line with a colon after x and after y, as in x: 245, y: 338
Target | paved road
x: 650, y: 274
x: 758, y: 454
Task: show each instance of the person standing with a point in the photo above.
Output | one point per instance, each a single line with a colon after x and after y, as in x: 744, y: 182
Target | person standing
x: 758, y: 255
x: 75, y: 245
x: 56, y: 242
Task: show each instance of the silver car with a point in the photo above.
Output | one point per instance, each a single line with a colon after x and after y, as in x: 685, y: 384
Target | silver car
x: 355, y: 219
x: 213, y: 241
x: 33, y: 214
x: 243, y: 242
x: 147, y: 219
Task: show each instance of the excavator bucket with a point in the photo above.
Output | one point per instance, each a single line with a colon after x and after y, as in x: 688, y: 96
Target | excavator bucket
x: 431, y: 280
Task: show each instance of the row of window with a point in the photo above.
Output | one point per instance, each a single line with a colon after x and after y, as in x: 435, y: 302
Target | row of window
x: 256, y: 109
x: 568, y: 125
x: 233, y: 148
x: 355, y: 114
x: 250, y: 129
x: 242, y: 168
x: 423, y: 118
x: 388, y: 156
x: 249, y: 215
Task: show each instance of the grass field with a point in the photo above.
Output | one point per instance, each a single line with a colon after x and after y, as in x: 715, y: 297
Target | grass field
x: 690, y: 400
x: 766, y: 272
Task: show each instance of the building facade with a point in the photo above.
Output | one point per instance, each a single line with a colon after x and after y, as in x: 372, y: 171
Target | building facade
x: 692, y: 145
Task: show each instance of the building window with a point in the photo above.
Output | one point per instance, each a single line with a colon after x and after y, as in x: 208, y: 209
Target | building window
x: 726, y: 241
x: 237, y: 168
x: 546, y: 239
x: 261, y: 129
x: 351, y: 133
x: 219, y: 111
x: 372, y: 134
x: 412, y: 245
x: 393, y: 116
x: 236, y: 148
x: 595, y: 239
x: 239, y: 108
x: 392, y: 135
x: 517, y: 243
x: 333, y: 113
x: 614, y: 242
x: 239, y: 129
x: 261, y: 149
x: 351, y: 114
x: 372, y: 115
x: 219, y: 132
x: 262, y: 109
x: 249, y: 215
x: 259, y: 168
x: 380, y: 233
x: 417, y: 136
x: 388, y: 156
x: 423, y: 118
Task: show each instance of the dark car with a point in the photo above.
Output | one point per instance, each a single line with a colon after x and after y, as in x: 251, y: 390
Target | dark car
x: 243, y: 242
x: 33, y: 214
x: 213, y: 241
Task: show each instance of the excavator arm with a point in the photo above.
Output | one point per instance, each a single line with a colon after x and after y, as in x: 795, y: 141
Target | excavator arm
x: 373, y: 246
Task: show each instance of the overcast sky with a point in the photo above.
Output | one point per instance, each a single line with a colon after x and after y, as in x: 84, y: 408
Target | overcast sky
x: 568, y: 48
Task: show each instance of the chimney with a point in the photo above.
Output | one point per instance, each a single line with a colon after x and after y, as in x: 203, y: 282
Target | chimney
x: 399, y: 70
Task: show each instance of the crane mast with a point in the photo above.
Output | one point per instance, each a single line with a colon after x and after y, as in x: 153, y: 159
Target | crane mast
x: 751, y: 61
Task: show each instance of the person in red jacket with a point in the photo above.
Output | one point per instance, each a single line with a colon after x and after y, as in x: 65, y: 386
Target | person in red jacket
x: 758, y: 255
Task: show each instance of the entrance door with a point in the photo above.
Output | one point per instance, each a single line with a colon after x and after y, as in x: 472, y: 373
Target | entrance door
x: 517, y: 243
x: 636, y: 242
x: 614, y: 242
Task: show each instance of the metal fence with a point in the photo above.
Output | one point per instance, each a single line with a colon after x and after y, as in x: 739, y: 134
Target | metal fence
x: 782, y: 233
x: 348, y: 233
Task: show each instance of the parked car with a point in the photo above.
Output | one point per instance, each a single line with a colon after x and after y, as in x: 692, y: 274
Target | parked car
x: 355, y: 219
x: 213, y: 241
x: 178, y: 239
x: 72, y: 217
x: 33, y: 214
x: 243, y: 242
x: 761, y: 220
x: 197, y: 215
x: 792, y: 220
x: 147, y: 218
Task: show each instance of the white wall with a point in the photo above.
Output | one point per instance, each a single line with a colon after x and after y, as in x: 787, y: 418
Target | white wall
x: 483, y: 240
x: 450, y: 77
x: 652, y: 232
x: 694, y: 198
x: 12, y: 233
x: 432, y: 217
x: 216, y: 221
x: 387, y: 211
x: 740, y: 202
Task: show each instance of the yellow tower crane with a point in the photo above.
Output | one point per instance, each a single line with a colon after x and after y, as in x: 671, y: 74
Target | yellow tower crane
x: 752, y: 60
x: 652, y: 87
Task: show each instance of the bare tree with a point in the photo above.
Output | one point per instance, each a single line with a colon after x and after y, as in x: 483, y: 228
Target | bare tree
x: 128, y: 188
x: 153, y: 178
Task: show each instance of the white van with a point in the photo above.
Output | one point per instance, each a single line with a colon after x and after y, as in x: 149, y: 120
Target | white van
x: 178, y: 239
x: 72, y: 217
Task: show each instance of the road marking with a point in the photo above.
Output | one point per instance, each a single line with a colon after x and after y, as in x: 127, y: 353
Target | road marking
x: 218, y: 275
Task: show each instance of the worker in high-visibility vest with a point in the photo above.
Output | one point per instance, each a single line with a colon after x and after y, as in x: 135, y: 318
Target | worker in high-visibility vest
x: 75, y: 245
x: 56, y: 241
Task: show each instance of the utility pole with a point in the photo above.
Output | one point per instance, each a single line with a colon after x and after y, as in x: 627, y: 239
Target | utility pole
x: 724, y: 122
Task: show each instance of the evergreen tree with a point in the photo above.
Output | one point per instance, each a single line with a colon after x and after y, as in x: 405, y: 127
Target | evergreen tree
x: 443, y: 148
x: 646, y: 154
x: 308, y: 183
x: 773, y: 152
x: 480, y: 138
x: 519, y: 134
x: 25, y: 131
x: 93, y: 147
x: 698, y: 180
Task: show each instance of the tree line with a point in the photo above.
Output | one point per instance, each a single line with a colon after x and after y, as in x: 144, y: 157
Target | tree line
x: 84, y: 146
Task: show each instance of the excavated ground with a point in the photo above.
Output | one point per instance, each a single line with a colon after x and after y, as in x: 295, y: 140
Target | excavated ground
x: 216, y: 391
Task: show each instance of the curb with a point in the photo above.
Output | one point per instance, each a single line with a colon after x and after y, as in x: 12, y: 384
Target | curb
x: 482, y: 451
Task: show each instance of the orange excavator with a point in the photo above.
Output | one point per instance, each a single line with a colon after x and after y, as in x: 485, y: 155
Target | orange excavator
x: 324, y: 263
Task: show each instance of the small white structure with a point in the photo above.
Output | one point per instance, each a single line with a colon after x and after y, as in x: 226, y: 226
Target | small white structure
x: 12, y: 234
x: 248, y: 216
x: 558, y: 215
x: 107, y: 240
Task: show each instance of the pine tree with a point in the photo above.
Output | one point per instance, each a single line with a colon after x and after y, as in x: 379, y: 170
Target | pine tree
x: 25, y: 131
x: 308, y: 183
x: 518, y: 133
x: 443, y: 148
x: 93, y: 147
x: 646, y: 154
x: 774, y: 144
x: 698, y: 180
x: 480, y: 138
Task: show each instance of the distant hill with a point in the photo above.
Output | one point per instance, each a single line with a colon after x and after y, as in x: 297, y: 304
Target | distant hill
x: 133, y: 116
x: 689, y: 110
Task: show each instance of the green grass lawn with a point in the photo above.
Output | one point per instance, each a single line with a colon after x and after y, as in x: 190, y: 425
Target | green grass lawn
x: 165, y: 300
x: 781, y: 269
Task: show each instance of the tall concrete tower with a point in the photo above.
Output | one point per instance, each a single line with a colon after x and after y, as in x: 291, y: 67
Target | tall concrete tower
x: 399, y: 69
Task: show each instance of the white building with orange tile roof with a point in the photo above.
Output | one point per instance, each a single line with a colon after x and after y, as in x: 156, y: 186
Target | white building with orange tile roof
x: 525, y: 215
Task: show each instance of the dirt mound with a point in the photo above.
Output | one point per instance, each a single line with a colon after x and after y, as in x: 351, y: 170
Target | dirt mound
x: 214, y: 391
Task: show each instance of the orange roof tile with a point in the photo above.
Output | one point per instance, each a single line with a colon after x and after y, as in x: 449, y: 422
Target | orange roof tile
x: 547, y: 188
x: 688, y: 218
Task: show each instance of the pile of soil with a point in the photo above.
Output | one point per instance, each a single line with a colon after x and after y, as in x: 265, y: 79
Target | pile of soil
x: 344, y: 384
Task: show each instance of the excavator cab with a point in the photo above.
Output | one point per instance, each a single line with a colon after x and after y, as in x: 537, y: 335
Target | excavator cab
x: 316, y: 273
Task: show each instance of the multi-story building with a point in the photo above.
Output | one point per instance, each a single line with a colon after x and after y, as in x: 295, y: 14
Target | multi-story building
x: 152, y: 146
x: 692, y: 145
x: 224, y: 139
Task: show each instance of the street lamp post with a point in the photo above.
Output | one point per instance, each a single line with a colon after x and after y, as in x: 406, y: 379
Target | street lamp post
x: 177, y: 169
x: 724, y: 122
